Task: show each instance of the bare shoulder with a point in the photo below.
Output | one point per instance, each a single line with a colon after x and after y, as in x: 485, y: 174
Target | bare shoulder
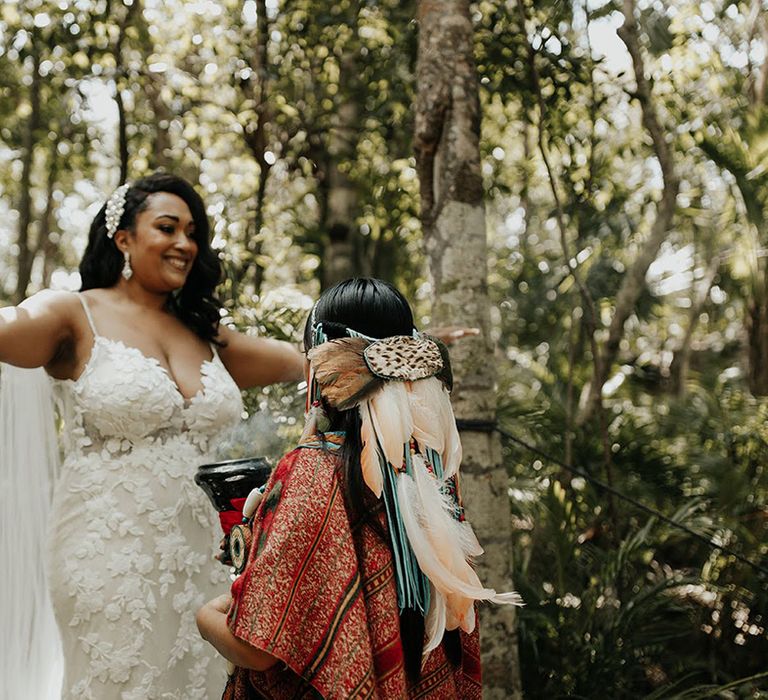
x: 58, y: 311
x: 99, y: 297
x: 49, y: 301
x: 33, y: 333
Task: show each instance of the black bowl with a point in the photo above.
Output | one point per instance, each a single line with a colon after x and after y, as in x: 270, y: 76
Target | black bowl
x: 235, y: 478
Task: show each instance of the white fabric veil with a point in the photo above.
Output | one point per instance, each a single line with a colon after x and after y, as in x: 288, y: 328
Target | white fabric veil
x: 31, y: 661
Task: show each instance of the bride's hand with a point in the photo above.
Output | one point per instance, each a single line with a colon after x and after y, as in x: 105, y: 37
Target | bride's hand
x: 450, y: 334
x: 222, y: 603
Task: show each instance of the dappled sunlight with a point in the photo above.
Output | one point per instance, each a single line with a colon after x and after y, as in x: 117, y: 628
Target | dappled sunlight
x: 623, y: 169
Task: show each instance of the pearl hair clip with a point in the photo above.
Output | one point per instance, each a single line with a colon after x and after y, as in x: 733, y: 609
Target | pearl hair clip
x: 115, y: 209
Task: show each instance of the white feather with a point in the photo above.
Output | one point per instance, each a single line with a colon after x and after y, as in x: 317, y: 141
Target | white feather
x: 427, y: 428
x: 434, y: 424
x: 441, y: 562
x: 391, y: 418
x: 469, y: 544
x: 454, y: 542
x: 252, y: 502
x: 438, y: 509
x: 469, y: 620
x: 369, y: 455
x: 434, y: 624
x: 453, y: 451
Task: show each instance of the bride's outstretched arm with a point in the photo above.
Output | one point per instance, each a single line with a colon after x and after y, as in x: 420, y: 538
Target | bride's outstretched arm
x: 254, y: 361
x: 32, y: 333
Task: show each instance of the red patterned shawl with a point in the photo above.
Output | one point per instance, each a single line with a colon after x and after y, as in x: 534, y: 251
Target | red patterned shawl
x: 323, y: 600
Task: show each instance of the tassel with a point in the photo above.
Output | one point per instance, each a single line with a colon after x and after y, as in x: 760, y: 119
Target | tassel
x: 413, y: 590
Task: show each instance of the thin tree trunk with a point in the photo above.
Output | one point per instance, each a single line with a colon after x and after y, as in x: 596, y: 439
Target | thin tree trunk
x: 757, y: 307
x: 122, y: 124
x: 153, y: 83
x: 590, y: 318
x: 678, y: 368
x: 122, y: 133
x: 339, y: 259
x: 446, y: 140
x: 26, y: 253
x: 527, y: 176
x: 257, y: 142
x: 159, y: 158
x: 757, y: 334
x: 47, y: 239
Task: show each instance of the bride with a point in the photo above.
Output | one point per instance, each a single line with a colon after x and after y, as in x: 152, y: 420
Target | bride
x: 152, y: 379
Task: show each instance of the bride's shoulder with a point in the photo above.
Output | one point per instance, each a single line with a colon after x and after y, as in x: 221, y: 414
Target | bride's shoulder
x: 56, y: 301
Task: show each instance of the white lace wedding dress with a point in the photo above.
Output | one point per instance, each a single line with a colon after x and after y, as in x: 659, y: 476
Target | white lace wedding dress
x: 132, y: 537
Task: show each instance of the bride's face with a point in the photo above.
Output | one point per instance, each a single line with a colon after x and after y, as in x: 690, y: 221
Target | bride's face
x: 163, y: 247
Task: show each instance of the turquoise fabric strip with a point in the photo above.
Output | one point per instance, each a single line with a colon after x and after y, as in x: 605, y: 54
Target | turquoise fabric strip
x: 412, y: 584
x: 355, y: 334
x: 320, y: 336
x: 331, y: 441
x: 447, y: 487
x: 434, y: 459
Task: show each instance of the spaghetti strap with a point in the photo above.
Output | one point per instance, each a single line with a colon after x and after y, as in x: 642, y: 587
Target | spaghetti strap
x: 87, y: 310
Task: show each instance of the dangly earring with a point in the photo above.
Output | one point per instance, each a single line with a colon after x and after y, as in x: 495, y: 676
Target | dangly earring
x: 127, y: 270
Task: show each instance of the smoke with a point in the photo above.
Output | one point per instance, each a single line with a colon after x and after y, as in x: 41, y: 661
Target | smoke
x: 261, y: 435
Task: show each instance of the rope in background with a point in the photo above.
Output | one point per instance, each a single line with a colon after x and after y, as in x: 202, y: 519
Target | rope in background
x: 492, y: 426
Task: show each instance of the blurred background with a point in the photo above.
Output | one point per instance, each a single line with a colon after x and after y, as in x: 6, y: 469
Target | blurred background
x: 628, y: 265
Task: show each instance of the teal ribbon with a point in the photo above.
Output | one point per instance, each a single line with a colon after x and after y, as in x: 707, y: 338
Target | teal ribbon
x: 412, y: 584
x: 326, y: 442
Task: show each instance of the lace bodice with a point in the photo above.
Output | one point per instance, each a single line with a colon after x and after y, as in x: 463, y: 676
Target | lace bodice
x: 132, y: 537
x: 124, y: 397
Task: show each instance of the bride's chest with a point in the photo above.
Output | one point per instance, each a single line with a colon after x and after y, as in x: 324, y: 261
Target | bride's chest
x: 123, y: 393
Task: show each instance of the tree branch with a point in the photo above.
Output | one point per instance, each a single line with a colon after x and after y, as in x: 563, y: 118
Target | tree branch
x: 633, y: 282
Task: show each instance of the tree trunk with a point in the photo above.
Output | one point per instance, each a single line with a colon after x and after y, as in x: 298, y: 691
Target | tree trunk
x: 678, y: 368
x: 257, y: 91
x: 339, y: 258
x: 122, y: 133
x: 47, y: 242
x: 26, y: 253
x: 757, y: 307
x: 757, y: 336
x: 453, y: 216
x: 161, y: 148
x: 122, y: 123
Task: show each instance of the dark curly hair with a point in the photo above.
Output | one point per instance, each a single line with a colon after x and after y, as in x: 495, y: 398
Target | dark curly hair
x: 194, y: 304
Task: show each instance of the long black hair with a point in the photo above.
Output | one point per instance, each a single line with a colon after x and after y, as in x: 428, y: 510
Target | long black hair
x: 374, y: 308
x: 194, y: 304
x: 377, y: 309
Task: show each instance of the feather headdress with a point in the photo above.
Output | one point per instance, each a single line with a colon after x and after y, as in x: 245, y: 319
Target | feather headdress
x: 410, y: 457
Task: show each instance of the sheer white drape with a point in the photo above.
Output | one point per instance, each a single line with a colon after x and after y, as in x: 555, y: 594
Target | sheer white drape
x: 31, y: 662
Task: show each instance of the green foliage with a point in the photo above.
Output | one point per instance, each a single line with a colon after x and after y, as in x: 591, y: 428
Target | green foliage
x: 622, y: 605
x: 619, y: 604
